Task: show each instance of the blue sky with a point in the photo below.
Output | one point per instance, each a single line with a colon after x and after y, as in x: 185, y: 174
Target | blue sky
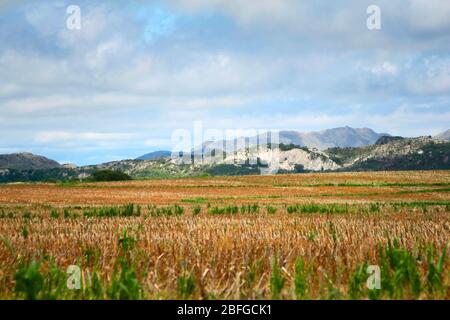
x: 138, y: 70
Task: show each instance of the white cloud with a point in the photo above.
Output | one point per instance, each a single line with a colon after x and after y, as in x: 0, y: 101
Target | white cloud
x: 432, y: 79
x: 92, y: 137
x: 66, y: 90
x: 155, y: 142
x: 385, y: 68
x: 429, y: 15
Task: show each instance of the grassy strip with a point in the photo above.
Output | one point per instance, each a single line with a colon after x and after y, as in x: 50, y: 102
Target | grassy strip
x: 375, y: 184
x: 100, y: 185
x: 379, y: 193
x: 424, y: 191
x: 132, y: 210
x: 204, y: 200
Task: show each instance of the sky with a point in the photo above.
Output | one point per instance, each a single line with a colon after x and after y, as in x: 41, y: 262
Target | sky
x: 136, y: 71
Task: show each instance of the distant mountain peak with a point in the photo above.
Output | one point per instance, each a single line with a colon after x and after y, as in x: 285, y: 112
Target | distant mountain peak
x: 443, y: 135
x: 155, y: 155
x: 329, y: 138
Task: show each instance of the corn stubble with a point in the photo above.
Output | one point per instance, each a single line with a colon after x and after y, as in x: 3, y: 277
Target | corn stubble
x: 222, y: 250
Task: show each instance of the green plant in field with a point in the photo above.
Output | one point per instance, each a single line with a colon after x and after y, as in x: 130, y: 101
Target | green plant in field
x: 357, y: 281
x: 399, y: 271
x: 276, y: 281
x: 232, y: 210
x: 66, y: 213
x: 54, y: 214
x: 435, y: 270
x: 186, y: 285
x: 127, y: 242
x: 318, y: 208
x: 128, y: 210
x: 247, y: 289
x: 125, y: 285
x: 25, y: 231
x: 254, y: 208
x: 178, y: 211
x: 216, y: 211
x: 250, y: 278
x: 91, y: 255
x: 374, y: 207
x: 55, y: 283
x: 333, y: 291
x: 174, y: 210
x: 29, y: 281
x: 225, y: 210
x: 32, y: 284
x: 400, y: 277
x: 138, y: 211
x: 271, y: 210
x: 96, y: 289
x: 196, y: 211
x: 332, y: 231
x: 312, y: 235
x: 7, y: 214
x: 26, y: 215
x: 300, y: 279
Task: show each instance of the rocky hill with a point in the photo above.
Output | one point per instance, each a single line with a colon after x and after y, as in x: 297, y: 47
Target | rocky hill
x: 399, y: 154
x: 25, y: 161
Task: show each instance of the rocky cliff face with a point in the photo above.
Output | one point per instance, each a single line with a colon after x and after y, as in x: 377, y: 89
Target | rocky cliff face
x: 277, y: 159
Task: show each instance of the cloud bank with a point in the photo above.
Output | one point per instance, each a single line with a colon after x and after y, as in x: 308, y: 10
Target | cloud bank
x: 138, y: 70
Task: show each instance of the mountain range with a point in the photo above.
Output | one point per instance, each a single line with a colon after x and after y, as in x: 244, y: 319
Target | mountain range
x: 337, y: 137
x: 338, y: 149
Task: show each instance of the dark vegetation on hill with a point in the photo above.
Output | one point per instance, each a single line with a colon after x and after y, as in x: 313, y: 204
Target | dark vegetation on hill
x: 26, y: 161
x: 232, y: 170
x: 36, y: 175
x: 387, y: 139
x: 431, y: 157
x: 110, y: 175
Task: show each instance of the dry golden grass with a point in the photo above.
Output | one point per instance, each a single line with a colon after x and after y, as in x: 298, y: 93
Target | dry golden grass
x: 229, y: 256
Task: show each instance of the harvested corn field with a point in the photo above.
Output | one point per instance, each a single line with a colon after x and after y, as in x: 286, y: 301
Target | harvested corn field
x: 306, y: 236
